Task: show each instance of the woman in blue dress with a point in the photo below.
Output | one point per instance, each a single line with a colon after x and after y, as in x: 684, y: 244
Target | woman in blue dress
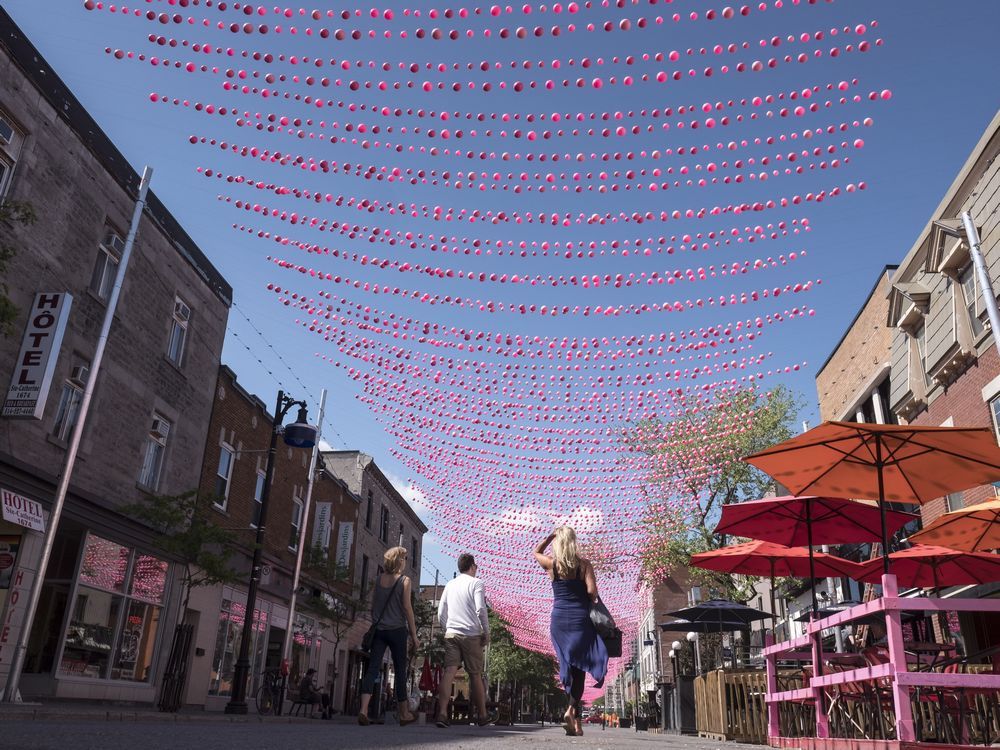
x: 578, y: 647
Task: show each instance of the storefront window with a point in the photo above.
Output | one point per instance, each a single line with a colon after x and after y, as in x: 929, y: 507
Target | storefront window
x: 115, y: 616
x: 227, y: 643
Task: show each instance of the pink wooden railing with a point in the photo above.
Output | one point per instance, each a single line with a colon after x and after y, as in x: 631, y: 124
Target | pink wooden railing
x: 809, y: 648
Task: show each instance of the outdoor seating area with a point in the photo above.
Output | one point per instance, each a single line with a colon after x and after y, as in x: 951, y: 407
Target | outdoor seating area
x: 900, y: 677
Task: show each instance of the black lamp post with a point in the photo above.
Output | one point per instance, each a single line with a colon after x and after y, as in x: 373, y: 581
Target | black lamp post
x: 300, y: 434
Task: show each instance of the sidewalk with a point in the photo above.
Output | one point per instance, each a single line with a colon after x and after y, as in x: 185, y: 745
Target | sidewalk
x: 55, y: 710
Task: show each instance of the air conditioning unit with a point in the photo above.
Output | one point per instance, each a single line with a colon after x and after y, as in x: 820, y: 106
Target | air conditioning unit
x: 6, y: 132
x: 160, y: 428
x: 114, y: 242
x: 181, y: 311
x: 79, y: 374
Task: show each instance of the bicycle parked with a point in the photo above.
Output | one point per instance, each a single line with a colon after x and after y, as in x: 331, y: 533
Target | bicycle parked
x: 268, y: 692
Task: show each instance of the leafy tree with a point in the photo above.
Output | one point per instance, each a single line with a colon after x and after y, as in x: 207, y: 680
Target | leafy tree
x: 334, y: 599
x: 696, y: 469
x: 429, y: 632
x: 518, y: 669
x: 188, y: 535
x: 11, y: 212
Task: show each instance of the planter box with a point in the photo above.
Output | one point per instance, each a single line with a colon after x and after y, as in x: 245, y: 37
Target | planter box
x: 625, y: 723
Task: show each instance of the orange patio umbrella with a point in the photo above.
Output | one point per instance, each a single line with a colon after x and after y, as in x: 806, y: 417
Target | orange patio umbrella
x: 928, y: 567
x: 760, y: 558
x: 972, y: 529
x: 902, y: 463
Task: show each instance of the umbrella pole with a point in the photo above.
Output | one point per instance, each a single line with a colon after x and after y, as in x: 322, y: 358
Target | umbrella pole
x: 880, y: 467
x: 812, y: 562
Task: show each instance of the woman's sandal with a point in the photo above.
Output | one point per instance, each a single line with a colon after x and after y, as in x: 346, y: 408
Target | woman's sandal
x: 363, y: 720
x: 403, y: 722
x: 569, y: 723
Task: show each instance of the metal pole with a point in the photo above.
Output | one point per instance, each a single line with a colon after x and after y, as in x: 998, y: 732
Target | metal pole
x: 989, y: 297
x: 286, y: 646
x: 241, y: 670
x: 11, y: 694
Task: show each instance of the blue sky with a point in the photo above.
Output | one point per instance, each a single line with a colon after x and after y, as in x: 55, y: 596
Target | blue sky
x: 939, y: 60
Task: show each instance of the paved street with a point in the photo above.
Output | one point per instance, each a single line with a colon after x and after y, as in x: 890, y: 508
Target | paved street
x: 57, y: 734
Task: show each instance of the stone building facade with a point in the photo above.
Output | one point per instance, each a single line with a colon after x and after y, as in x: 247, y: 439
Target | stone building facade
x: 100, y: 631
x: 385, y: 519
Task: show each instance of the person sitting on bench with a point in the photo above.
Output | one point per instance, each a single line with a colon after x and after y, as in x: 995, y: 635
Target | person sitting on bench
x: 311, y: 694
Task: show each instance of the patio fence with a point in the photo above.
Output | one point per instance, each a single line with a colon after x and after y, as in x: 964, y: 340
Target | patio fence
x: 730, y: 705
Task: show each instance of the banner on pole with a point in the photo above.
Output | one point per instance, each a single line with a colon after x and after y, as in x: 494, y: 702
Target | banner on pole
x: 322, y: 526
x: 345, y: 540
x: 43, y: 335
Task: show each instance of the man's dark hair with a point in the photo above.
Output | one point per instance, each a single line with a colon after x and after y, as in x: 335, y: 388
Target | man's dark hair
x: 465, y: 562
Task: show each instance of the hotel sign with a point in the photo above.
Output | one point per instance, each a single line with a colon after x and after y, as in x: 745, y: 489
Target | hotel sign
x: 32, y: 376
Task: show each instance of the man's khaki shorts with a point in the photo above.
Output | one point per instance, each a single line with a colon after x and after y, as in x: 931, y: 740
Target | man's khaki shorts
x: 464, y: 650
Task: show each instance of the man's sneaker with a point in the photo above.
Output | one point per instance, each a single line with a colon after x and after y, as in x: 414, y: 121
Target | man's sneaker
x: 442, y: 723
x: 491, y: 719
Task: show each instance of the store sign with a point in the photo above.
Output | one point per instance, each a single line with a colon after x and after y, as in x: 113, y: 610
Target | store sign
x: 8, y: 559
x: 22, y: 511
x: 29, y: 384
x: 345, y: 540
x: 322, y: 526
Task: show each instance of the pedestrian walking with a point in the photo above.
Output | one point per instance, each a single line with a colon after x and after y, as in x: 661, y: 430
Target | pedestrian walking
x: 578, y: 647
x: 392, y: 615
x: 463, y: 616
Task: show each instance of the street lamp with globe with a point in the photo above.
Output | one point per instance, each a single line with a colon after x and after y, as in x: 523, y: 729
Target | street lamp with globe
x: 299, y: 434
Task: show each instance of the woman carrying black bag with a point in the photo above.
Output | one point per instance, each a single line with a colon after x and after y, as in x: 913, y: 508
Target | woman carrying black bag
x: 578, y: 647
x: 392, y: 612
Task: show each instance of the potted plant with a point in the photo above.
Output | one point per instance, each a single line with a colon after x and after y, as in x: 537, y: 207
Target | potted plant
x: 626, y: 721
x: 641, y: 721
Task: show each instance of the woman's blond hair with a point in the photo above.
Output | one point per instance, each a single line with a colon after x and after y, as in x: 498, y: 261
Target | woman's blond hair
x: 565, y: 552
x: 392, y: 561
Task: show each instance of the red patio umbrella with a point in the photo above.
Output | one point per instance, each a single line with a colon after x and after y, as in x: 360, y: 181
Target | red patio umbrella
x: 883, y: 462
x: 761, y: 558
x: 795, y: 521
x: 927, y: 566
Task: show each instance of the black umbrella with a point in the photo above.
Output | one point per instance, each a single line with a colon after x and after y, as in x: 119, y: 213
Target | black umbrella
x: 721, y: 611
x: 703, y: 626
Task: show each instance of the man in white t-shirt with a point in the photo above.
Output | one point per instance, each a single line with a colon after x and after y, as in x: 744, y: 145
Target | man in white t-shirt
x: 464, y: 619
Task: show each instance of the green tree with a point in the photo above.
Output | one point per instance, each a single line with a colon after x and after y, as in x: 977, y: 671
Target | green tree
x: 516, y: 672
x: 188, y: 535
x: 332, y: 597
x: 11, y: 212
x: 696, y: 469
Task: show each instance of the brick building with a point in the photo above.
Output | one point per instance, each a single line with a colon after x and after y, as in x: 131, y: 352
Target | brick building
x: 232, y: 481
x: 943, y: 368
x: 100, y: 629
x: 385, y: 520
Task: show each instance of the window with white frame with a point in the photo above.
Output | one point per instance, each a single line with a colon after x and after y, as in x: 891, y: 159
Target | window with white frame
x: 154, y: 451
x: 995, y: 415
x: 11, y: 139
x: 258, y: 497
x: 70, y: 398
x: 954, y: 501
x: 224, y: 475
x: 293, y: 538
x: 974, y: 306
x: 109, y: 255
x: 178, y: 331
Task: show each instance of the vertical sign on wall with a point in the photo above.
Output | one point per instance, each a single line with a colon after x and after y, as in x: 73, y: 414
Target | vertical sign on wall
x: 345, y: 540
x: 43, y: 334
x: 321, y: 526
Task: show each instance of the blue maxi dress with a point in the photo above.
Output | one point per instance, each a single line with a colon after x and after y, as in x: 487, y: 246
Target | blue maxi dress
x: 574, y: 638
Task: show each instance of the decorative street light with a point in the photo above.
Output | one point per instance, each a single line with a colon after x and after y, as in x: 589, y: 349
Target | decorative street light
x: 300, y: 434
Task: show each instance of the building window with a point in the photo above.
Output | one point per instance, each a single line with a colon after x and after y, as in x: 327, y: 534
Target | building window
x: 68, y: 410
x: 364, y: 575
x: 995, y: 415
x: 223, y: 475
x: 293, y: 538
x: 414, y: 553
x: 258, y: 497
x: 954, y: 501
x: 369, y: 510
x: 400, y: 542
x: 153, y: 452
x: 920, y: 342
x: 973, y: 306
x: 383, y: 527
x: 227, y: 641
x: 109, y: 255
x: 115, y: 615
x: 178, y: 331
x: 11, y: 139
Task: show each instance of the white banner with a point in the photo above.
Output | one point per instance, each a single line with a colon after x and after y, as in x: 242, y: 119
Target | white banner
x: 322, y: 526
x: 43, y: 334
x: 345, y: 542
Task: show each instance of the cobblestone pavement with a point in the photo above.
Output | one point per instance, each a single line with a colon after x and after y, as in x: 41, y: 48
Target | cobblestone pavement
x: 149, y: 734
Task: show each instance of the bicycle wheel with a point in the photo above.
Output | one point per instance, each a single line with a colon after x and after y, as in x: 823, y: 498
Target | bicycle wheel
x: 265, y: 700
